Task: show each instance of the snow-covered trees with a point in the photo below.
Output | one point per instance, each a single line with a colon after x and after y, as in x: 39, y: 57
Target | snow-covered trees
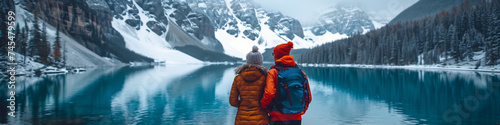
x: 449, y: 37
x: 454, y: 43
x: 37, y: 46
x: 493, y: 40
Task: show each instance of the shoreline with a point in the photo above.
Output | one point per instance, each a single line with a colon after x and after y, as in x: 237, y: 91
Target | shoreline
x: 493, y: 69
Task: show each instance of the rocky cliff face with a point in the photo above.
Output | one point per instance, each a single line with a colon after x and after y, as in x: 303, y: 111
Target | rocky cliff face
x: 195, y: 23
x: 88, y: 24
x: 128, y: 11
x: 73, y: 18
x: 285, y: 25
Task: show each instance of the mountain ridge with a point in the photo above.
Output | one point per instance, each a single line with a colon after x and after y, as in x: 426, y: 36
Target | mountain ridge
x: 424, y: 8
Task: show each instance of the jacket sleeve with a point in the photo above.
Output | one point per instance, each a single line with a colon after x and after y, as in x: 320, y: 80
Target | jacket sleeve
x: 269, y: 90
x: 235, y: 93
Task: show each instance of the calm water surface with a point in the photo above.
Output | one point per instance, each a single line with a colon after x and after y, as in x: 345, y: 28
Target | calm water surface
x: 199, y: 94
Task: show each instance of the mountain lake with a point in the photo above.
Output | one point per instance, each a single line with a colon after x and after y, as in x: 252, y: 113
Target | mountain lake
x: 199, y: 94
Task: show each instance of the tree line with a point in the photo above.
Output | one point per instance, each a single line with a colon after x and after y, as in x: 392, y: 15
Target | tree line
x: 467, y: 33
x: 33, y: 43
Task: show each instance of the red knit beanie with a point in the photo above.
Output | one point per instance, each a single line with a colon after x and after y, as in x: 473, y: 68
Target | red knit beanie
x: 282, y: 50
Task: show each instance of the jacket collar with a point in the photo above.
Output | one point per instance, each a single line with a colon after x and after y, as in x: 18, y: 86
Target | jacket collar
x: 286, y: 61
x: 243, y: 67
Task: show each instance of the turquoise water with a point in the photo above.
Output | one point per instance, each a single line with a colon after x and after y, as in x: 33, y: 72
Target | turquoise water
x: 198, y: 94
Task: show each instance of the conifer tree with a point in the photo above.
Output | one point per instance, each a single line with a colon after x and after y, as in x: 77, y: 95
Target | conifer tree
x: 37, y: 37
x: 43, y: 47
x: 57, y: 47
x: 3, y: 33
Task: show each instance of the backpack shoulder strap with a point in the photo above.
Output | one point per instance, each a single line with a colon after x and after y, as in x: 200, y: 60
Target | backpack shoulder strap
x: 275, y: 105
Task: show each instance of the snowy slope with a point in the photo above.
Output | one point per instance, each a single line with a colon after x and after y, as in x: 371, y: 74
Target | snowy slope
x: 147, y: 43
x: 235, y: 46
x: 378, y: 24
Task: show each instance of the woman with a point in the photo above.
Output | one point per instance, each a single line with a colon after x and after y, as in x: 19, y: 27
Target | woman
x: 247, y: 90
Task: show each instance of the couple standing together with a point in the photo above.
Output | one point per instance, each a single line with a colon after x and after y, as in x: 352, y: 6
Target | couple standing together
x: 283, y: 91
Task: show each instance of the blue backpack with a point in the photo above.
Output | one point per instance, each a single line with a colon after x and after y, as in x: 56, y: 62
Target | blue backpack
x: 291, y: 90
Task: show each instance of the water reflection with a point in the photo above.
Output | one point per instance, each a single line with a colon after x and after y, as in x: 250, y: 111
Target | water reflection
x: 411, y: 97
x: 197, y: 94
x: 171, y: 95
x: 66, y: 99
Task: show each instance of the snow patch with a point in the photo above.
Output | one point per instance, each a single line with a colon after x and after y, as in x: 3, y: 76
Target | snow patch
x: 202, y: 5
x: 377, y: 24
x: 325, y: 38
x: 235, y: 46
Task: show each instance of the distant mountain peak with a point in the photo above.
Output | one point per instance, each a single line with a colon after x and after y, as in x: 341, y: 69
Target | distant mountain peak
x: 342, y: 20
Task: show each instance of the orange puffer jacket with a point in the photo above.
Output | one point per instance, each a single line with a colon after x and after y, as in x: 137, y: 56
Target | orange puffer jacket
x: 270, y: 91
x: 246, y: 93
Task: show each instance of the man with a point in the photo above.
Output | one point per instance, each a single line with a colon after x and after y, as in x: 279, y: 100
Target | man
x: 279, y: 116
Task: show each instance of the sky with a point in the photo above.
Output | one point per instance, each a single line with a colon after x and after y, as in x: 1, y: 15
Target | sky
x: 308, y: 10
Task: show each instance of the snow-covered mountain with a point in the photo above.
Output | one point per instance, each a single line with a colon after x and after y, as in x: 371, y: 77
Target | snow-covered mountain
x: 337, y: 23
x: 343, y: 21
x: 192, y: 31
x: 163, y: 30
x: 240, y: 24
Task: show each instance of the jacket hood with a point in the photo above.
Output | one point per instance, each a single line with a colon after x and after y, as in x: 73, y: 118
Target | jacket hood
x: 251, y: 72
x: 287, y: 61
